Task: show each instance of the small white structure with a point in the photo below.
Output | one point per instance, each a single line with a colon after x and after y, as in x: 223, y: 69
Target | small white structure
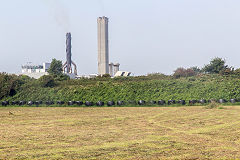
x: 35, y: 71
x: 116, y: 68
x: 113, y: 69
x: 122, y: 74
x: 86, y: 76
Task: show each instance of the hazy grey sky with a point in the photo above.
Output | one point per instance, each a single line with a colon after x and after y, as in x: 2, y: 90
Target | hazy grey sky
x: 145, y: 35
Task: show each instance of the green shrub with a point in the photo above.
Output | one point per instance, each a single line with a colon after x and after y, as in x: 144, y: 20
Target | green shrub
x: 47, y: 81
x: 61, y: 77
x: 9, y: 84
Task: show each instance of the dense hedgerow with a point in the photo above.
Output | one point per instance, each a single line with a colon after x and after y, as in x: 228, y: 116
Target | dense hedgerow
x: 151, y: 87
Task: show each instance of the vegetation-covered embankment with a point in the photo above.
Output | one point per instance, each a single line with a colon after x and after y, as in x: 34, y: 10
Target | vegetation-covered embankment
x: 152, y: 87
x: 214, y: 81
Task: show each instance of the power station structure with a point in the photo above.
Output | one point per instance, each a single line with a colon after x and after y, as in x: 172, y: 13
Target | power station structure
x: 103, y: 47
x: 104, y: 67
x: 67, y: 66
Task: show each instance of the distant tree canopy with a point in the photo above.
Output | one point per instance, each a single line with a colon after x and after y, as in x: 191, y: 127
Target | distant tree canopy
x: 196, y: 69
x: 182, y: 72
x: 55, y: 68
x: 217, y: 65
x: 56, y: 71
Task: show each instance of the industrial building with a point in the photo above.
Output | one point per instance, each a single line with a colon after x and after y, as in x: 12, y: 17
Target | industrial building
x: 113, y: 69
x: 35, y: 71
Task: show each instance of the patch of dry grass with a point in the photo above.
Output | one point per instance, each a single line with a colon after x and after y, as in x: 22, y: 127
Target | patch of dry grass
x: 120, y: 133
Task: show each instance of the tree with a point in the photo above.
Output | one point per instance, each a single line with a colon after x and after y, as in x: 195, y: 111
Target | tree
x: 55, y: 68
x: 196, y: 69
x: 9, y: 84
x: 216, y: 66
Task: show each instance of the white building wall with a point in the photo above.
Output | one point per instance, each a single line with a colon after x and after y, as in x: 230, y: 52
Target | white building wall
x: 36, y: 73
x: 46, y: 66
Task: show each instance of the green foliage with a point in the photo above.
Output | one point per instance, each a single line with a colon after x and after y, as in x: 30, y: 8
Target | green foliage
x: 190, y: 84
x: 130, y: 88
x: 196, y: 69
x: 152, y: 87
x: 236, y: 72
x: 216, y: 66
x: 47, y: 81
x: 104, y: 76
x: 55, y: 68
x: 157, y: 76
x: 227, y: 71
x: 9, y: 84
x: 56, y: 71
x: 61, y: 77
x: 25, y: 78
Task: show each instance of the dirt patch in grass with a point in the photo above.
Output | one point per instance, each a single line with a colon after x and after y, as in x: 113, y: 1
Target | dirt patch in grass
x: 120, y: 133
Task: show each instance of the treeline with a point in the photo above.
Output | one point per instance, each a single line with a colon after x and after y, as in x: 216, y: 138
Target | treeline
x: 216, y: 66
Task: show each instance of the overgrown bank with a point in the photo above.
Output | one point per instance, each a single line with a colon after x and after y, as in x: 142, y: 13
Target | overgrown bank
x: 152, y: 87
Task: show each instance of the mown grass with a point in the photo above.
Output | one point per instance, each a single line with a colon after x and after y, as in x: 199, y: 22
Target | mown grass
x: 120, y: 133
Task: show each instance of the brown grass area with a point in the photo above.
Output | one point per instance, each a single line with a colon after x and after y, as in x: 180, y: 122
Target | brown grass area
x: 120, y: 133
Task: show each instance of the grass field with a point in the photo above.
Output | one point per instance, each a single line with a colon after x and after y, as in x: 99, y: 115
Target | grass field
x: 120, y: 133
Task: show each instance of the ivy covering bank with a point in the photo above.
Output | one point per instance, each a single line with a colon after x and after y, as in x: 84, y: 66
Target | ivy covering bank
x: 152, y: 87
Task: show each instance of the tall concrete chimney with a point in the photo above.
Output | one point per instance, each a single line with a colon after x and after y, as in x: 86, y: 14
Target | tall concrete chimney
x: 103, y: 48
